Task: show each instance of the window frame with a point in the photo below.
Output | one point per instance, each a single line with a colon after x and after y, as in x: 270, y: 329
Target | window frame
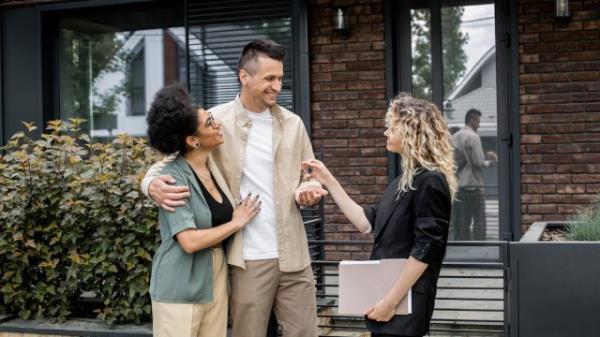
x: 137, y: 51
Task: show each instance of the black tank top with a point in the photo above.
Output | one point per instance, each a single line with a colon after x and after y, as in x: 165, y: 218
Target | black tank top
x: 220, y: 212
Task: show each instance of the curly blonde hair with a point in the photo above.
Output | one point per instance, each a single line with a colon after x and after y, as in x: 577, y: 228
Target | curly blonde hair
x: 425, y: 140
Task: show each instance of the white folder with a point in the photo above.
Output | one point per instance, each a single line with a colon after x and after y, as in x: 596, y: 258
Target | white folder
x: 363, y: 283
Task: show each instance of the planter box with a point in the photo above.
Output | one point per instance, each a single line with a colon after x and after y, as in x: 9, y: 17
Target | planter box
x: 554, y: 286
x: 73, y: 327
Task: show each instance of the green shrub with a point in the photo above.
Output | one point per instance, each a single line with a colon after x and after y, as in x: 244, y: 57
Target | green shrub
x: 586, y: 226
x: 72, y: 220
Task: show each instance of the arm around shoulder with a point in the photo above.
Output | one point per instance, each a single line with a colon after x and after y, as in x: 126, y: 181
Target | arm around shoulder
x: 154, y: 171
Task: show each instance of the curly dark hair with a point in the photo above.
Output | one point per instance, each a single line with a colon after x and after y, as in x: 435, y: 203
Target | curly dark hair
x: 171, y: 119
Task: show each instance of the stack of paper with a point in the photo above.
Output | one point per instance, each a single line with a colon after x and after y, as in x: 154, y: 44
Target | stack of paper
x: 364, y: 283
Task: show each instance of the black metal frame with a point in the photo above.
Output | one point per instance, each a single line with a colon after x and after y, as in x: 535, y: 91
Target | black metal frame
x: 2, y: 123
x: 330, y: 300
x: 300, y: 61
x: 50, y: 14
x: 398, y: 63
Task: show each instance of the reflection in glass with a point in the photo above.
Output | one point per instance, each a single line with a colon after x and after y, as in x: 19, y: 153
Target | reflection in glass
x: 109, y: 77
x: 216, y: 47
x: 469, y: 80
x: 421, y: 53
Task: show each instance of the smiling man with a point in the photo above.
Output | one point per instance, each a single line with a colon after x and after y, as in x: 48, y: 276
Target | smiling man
x: 264, y: 147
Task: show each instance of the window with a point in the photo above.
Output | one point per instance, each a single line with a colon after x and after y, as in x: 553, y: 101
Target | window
x: 113, y: 60
x: 217, y: 34
x: 137, y: 93
x: 104, y: 58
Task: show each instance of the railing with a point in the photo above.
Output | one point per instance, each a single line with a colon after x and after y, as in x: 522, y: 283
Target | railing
x: 471, y: 298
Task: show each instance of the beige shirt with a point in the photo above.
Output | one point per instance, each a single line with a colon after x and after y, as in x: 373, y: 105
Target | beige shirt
x: 291, y: 146
x: 470, y: 160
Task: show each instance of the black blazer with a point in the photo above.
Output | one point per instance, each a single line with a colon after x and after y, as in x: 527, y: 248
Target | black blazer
x: 415, y: 223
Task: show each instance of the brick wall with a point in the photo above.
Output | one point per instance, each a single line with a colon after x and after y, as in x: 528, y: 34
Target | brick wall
x: 347, y: 106
x: 559, y: 75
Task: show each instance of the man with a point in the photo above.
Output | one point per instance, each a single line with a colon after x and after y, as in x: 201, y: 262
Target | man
x: 262, y: 154
x: 470, y: 205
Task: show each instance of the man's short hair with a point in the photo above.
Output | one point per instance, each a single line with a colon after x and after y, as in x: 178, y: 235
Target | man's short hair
x: 259, y: 47
x: 471, y: 114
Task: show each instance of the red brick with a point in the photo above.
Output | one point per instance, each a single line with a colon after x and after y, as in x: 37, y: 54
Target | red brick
x: 556, y: 178
x: 567, y: 209
x: 531, y: 198
x: 570, y: 188
x: 542, y: 208
x: 591, y: 25
x: 531, y: 139
x: 584, y: 198
x: 541, y: 188
x: 571, y: 168
x: 555, y: 198
x: 570, y: 148
x: 345, y: 76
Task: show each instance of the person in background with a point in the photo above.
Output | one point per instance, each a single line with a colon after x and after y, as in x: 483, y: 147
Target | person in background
x: 468, y: 218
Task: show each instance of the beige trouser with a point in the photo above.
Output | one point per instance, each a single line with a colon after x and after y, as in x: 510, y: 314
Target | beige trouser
x: 196, y: 320
x: 262, y: 287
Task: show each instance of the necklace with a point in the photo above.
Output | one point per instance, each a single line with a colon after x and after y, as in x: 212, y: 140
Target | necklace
x: 203, y: 177
x: 208, y: 183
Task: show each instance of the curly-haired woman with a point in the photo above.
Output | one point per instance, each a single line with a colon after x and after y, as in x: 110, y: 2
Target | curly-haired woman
x: 411, y: 219
x: 188, y: 286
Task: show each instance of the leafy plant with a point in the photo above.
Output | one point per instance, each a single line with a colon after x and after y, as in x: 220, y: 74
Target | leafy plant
x: 73, y: 221
x: 586, y: 224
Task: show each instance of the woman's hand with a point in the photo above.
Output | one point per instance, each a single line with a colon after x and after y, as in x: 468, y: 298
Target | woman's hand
x: 316, y: 169
x: 383, y: 311
x: 246, y: 210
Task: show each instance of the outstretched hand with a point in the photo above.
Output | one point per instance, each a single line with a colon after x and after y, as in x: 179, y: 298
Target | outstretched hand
x: 309, y: 195
x: 315, y: 169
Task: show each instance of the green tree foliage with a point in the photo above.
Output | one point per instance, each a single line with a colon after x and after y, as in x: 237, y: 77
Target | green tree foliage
x: 73, y: 221
x: 453, y: 42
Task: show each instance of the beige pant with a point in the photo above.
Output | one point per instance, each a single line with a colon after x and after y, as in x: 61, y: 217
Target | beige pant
x: 262, y: 287
x: 196, y: 320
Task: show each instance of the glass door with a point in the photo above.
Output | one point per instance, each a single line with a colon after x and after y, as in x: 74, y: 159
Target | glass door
x: 446, y: 53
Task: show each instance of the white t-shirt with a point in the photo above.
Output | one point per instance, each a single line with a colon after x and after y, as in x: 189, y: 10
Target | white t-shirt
x: 260, y: 235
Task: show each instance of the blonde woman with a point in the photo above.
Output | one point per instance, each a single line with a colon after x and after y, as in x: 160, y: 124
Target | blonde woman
x: 411, y: 218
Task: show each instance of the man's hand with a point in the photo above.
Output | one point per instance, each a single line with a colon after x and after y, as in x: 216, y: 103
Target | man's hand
x: 167, y: 196
x: 492, y: 156
x: 309, y: 195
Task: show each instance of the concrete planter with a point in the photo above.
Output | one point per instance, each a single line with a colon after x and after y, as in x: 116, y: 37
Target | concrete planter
x: 554, y: 286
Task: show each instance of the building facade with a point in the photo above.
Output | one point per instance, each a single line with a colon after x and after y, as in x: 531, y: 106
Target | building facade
x: 534, y: 77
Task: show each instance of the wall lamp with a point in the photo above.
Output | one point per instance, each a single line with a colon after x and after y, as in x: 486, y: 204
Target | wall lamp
x: 340, y: 21
x: 561, y: 10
